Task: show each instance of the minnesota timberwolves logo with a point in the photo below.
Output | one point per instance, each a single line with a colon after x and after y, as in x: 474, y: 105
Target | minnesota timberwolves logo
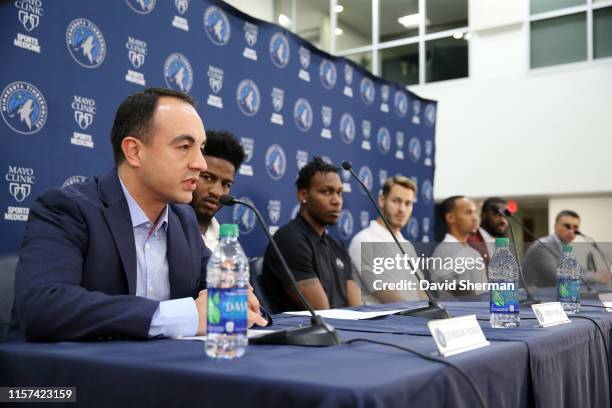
x: 216, y: 25
x: 248, y: 97
x: 414, y: 149
x: 178, y: 73
x: 328, y: 74
x: 347, y: 128
x: 430, y: 114
x: 243, y: 216
x: 141, y: 6
x: 401, y: 104
x: 302, y: 113
x: 276, y: 162
x: 365, y: 174
x: 73, y: 180
x: 427, y: 191
x: 23, y: 108
x: 85, y: 43
x: 367, y: 91
x: 279, y: 50
x: 345, y: 224
x: 413, y: 229
x: 384, y: 140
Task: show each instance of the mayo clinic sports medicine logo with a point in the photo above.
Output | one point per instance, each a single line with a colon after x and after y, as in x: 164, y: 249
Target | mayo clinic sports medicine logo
x: 348, y: 80
x: 401, y: 104
x: 303, y: 74
x: 302, y: 113
x: 215, y: 82
x: 346, y: 178
x: 414, y: 149
x: 181, y: 22
x: 248, y: 97
x: 84, y: 111
x: 427, y: 191
x: 345, y: 224
x: 366, y: 130
x: 399, y: 143
x: 248, y: 145
x: 366, y: 89
x: 250, y: 36
x: 178, y: 73
x: 20, y: 180
x: 416, y: 111
x: 384, y: 94
x: 301, y: 159
x: 328, y: 74
x: 216, y: 25
x: 274, y: 210
x: 85, y: 43
x: 326, y: 118
x: 278, y: 101
x: 384, y: 140
x: 347, y: 128
x: 279, y: 50
x: 276, y: 162
x: 141, y: 6
x: 364, y: 217
x: 137, y: 52
x: 29, y: 14
x: 365, y: 174
x: 413, y: 228
x: 23, y: 108
x: 243, y: 216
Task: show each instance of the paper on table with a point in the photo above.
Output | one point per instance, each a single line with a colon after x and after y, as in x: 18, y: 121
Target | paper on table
x: 344, y: 314
x: 251, y: 334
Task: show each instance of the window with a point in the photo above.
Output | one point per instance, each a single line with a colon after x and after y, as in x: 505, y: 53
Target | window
x: 565, y: 31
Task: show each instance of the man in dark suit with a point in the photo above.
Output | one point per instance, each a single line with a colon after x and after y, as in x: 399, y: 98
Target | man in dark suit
x: 120, y: 256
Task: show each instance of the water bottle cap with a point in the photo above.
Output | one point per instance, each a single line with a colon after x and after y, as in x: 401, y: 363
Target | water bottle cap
x: 567, y: 248
x: 501, y: 242
x: 228, y: 230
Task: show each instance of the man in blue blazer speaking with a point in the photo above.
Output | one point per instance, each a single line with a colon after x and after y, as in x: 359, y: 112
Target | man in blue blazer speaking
x: 120, y: 255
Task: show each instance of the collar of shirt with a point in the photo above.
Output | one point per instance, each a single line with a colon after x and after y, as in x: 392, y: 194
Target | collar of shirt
x: 139, y: 217
x: 450, y: 238
x: 310, y: 229
x: 383, y: 233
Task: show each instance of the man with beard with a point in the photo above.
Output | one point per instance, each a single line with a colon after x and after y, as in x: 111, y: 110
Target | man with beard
x: 492, y: 225
x: 396, y: 202
x: 320, y: 264
x: 224, y: 155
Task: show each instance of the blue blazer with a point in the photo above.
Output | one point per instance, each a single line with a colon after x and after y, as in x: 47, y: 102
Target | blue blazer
x: 76, y: 277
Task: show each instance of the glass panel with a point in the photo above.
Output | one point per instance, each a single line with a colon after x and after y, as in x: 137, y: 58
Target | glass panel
x: 354, y: 24
x: 447, y: 58
x: 445, y: 15
x: 364, y: 59
x: 602, y: 32
x: 313, y: 23
x: 541, y: 6
x: 401, y: 64
x: 398, y: 19
x: 558, y: 40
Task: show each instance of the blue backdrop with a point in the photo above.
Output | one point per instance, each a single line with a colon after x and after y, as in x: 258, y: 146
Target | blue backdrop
x: 68, y: 65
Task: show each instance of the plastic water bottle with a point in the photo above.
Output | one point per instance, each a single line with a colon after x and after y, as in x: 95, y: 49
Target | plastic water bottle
x: 504, y: 303
x: 227, y: 278
x: 568, y: 281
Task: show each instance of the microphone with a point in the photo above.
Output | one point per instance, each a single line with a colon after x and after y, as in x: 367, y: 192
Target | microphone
x: 318, y: 333
x: 591, y: 241
x: 530, y: 299
x: 433, y: 310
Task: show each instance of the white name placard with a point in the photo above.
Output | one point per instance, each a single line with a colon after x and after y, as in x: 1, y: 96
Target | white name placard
x: 550, y: 314
x: 457, y: 335
x: 606, y: 300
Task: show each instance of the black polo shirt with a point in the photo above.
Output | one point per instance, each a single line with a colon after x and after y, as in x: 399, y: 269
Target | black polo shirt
x: 308, y: 256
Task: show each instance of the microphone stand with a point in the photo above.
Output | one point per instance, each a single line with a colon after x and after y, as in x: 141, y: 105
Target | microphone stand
x: 433, y: 310
x: 319, y: 333
x: 594, y: 244
x: 530, y: 299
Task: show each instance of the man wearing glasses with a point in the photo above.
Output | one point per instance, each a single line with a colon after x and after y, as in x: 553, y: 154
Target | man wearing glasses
x: 542, y: 258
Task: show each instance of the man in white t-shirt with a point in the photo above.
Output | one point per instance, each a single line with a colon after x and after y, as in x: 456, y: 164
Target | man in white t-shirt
x: 458, y: 260
x: 396, y: 202
x: 224, y: 155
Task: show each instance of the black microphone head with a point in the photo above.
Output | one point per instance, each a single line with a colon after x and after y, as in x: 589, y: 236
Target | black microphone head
x: 578, y: 232
x: 496, y: 209
x: 227, y: 200
x: 507, y: 212
x: 346, y: 165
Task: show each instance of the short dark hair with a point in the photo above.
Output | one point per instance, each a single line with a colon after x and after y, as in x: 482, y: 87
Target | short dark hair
x: 448, y: 205
x: 134, y: 116
x: 568, y: 213
x: 317, y: 165
x: 224, y: 145
x: 492, y: 202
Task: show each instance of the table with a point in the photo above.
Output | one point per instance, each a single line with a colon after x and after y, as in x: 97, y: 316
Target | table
x: 529, y: 366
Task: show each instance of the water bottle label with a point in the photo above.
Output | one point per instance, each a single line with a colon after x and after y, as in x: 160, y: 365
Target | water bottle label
x: 504, y: 301
x: 568, y: 290
x: 227, y: 310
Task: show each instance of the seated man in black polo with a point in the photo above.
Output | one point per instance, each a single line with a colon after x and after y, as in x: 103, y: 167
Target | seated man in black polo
x: 320, y: 264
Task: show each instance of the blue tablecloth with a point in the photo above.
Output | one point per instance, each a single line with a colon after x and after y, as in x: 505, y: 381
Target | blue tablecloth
x: 529, y: 366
